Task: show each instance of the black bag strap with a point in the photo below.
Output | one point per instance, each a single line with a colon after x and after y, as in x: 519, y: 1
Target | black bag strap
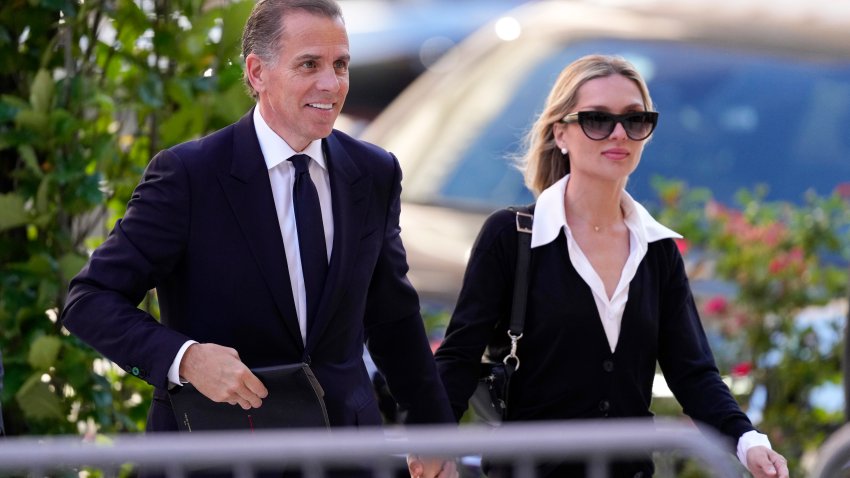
x: 524, y: 222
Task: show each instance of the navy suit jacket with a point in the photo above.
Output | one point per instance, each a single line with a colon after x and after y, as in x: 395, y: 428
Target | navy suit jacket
x: 201, y: 228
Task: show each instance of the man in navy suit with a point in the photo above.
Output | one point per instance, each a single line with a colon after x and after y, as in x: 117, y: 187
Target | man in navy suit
x: 212, y: 227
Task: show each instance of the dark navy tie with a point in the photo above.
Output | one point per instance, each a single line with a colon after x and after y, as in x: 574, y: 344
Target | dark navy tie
x: 311, y: 234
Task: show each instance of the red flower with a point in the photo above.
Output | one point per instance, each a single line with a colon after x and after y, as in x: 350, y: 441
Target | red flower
x: 742, y: 369
x: 435, y: 344
x: 793, y: 261
x: 716, y: 305
x: 777, y: 264
x: 843, y: 190
x: 683, y: 246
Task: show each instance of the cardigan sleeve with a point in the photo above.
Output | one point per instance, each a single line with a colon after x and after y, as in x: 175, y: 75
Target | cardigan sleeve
x: 483, y: 305
x: 686, y: 359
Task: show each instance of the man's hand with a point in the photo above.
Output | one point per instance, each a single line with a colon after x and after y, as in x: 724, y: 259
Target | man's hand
x: 422, y: 467
x: 766, y: 463
x: 218, y: 373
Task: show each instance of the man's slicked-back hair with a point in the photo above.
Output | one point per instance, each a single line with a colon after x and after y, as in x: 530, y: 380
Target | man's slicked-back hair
x: 264, y: 29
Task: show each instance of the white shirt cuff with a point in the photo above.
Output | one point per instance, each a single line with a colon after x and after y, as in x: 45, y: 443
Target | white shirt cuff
x: 748, y: 440
x: 174, y: 370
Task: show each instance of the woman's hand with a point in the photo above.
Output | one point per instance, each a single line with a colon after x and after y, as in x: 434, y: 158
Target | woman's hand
x: 766, y: 463
x: 423, y: 467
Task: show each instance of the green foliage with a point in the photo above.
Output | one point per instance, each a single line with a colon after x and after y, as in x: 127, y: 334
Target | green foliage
x: 89, y: 91
x: 782, y: 321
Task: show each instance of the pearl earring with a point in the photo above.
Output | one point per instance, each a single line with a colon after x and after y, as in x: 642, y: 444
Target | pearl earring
x: 564, y: 151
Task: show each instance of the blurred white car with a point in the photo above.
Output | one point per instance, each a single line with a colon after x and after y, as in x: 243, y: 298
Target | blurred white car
x: 750, y: 92
x: 392, y: 42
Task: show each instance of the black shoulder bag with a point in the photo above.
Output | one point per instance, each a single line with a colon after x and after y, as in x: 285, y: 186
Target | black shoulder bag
x: 500, y: 361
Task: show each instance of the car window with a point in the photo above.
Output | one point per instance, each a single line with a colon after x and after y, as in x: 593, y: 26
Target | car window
x: 729, y: 119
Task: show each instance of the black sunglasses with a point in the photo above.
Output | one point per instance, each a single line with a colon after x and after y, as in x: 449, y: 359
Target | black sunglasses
x: 598, y: 125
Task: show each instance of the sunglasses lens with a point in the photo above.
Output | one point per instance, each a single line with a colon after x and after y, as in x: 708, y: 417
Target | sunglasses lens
x: 596, y: 124
x: 638, y: 126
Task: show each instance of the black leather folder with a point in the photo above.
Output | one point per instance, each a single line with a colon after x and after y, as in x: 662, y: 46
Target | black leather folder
x: 295, y: 400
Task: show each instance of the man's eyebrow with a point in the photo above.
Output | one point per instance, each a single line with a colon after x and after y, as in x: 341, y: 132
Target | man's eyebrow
x: 307, y: 56
x: 311, y: 56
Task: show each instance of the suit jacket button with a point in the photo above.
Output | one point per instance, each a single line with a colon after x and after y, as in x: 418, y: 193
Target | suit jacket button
x: 135, y: 371
x: 604, y: 406
x: 608, y: 365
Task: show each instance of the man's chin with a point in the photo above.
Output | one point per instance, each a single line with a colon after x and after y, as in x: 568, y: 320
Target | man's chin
x: 324, y: 132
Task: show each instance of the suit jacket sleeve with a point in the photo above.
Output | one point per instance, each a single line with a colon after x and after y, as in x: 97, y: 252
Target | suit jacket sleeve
x: 394, y: 328
x: 139, y: 252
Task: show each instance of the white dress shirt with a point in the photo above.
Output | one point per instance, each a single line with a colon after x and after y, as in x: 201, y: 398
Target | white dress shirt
x: 550, y: 217
x: 276, y: 153
x: 282, y: 176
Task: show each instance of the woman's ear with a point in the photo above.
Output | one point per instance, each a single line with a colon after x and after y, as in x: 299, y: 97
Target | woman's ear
x: 559, y: 131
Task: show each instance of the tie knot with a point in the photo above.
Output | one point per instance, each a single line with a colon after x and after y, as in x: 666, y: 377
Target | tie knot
x: 301, y: 163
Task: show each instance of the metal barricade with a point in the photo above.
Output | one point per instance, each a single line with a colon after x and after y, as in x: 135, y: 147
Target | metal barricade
x: 596, y: 443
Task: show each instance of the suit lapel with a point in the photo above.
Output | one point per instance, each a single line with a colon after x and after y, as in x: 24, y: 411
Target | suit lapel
x: 350, y: 190
x: 246, y: 184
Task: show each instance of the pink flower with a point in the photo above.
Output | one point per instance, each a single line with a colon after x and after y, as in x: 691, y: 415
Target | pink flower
x: 793, y: 261
x: 742, y: 369
x: 435, y: 344
x: 777, y: 264
x: 716, y: 305
x: 843, y: 190
x: 714, y: 209
x: 683, y: 246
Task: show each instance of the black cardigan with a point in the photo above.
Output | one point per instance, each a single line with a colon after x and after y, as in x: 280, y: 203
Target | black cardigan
x: 567, y: 369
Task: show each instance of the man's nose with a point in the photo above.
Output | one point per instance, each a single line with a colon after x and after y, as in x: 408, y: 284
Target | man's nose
x: 328, y: 80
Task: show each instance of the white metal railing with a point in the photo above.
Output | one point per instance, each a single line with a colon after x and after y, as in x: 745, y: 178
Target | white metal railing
x: 596, y: 443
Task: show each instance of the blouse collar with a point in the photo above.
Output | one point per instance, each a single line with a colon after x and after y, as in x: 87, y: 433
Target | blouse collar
x: 550, y: 217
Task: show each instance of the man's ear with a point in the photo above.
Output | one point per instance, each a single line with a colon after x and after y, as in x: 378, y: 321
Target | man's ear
x: 254, y: 68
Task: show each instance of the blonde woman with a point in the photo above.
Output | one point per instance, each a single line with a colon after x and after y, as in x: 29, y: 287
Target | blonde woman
x: 608, y: 296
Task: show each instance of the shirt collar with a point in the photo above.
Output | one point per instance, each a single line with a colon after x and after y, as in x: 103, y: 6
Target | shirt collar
x: 550, y: 217
x: 276, y: 150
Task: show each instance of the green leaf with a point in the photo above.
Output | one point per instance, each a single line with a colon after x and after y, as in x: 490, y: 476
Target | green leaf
x: 70, y: 264
x: 12, y: 212
x: 43, y: 352
x: 42, y: 196
x: 31, y: 119
x: 234, y: 16
x: 179, y: 90
x: 233, y: 102
x: 29, y: 158
x: 64, y: 125
x: 183, y: 123
x: 37, y: 401
x: 41, y: 91
x: 40, y: 265
x: 151, y: 91
x: 9, y: 107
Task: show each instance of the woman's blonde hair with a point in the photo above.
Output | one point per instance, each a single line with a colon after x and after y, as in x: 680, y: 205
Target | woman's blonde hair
x: 543, y: 164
